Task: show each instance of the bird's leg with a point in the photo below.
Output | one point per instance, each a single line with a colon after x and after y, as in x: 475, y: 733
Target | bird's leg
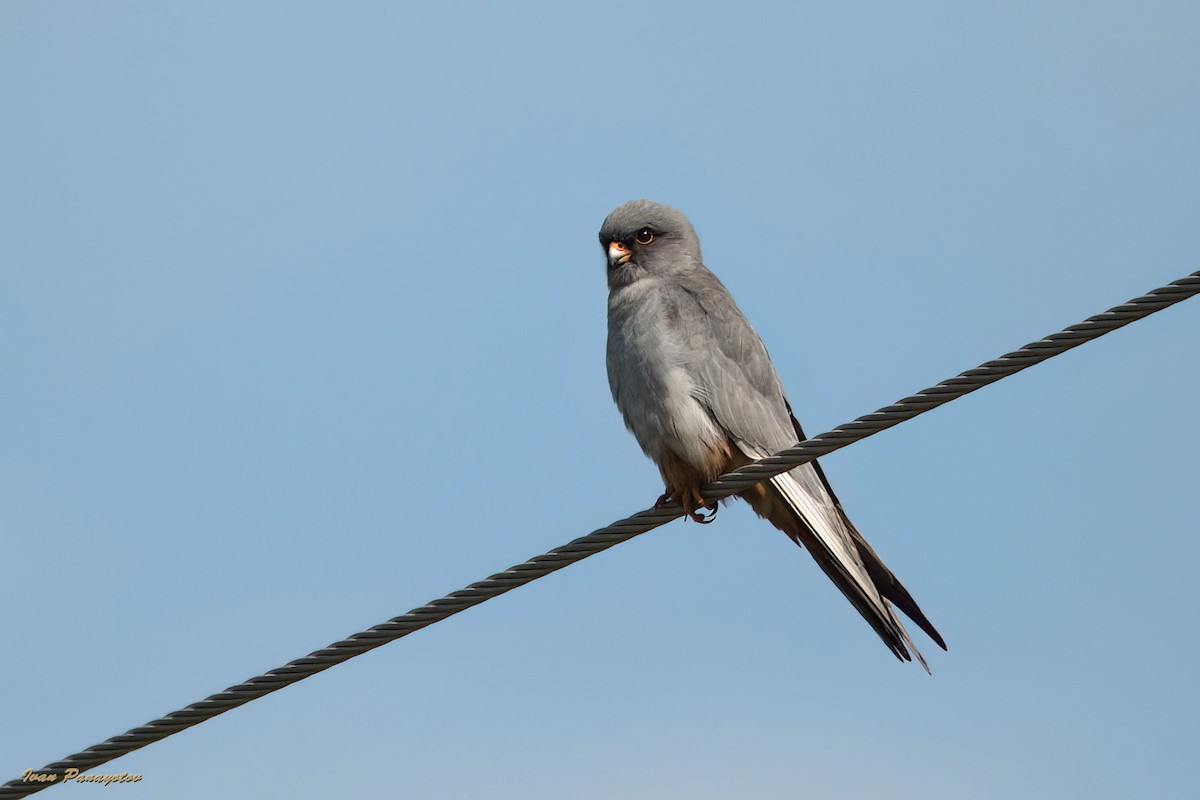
x: 688, y: 496
x: 690, y: 502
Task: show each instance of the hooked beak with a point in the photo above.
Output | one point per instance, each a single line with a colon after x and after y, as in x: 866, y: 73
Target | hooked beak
x: 618, y: 254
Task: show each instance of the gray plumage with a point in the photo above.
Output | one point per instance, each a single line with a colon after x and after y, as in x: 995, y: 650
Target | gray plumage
x: 697, y: 389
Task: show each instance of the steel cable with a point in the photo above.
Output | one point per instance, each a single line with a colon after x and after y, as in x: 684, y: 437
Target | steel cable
x: 617, y: 532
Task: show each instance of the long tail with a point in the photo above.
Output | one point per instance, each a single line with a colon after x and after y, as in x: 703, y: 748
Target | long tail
x: 801, y: 505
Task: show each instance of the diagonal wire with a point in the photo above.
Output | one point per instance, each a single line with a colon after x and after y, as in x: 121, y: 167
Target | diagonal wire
x: 614, y: 534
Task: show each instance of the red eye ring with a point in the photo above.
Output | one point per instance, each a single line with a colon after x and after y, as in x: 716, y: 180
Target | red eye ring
x: 644, y: 236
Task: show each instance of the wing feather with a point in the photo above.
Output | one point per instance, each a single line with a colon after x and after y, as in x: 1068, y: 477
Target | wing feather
x: 735, y: 379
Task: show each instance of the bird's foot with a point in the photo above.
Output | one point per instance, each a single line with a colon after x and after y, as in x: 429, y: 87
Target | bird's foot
x: 691, y: 502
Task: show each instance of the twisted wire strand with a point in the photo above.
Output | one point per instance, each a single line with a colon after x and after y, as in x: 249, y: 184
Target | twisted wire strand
x: 614, y: 534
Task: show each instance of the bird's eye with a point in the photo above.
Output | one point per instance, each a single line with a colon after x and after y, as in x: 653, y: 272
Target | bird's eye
x: 644, y: 236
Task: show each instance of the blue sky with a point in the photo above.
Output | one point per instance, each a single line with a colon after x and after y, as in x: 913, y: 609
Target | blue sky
x: 303, y: 324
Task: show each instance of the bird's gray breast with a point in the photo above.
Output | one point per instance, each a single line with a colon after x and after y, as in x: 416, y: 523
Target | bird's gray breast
x: 652, y: 371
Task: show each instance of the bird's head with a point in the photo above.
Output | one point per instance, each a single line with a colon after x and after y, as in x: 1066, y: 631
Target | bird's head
x: 646, y: 239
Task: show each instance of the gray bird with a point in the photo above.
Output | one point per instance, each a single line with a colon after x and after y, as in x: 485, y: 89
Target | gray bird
x: 698, y: 390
